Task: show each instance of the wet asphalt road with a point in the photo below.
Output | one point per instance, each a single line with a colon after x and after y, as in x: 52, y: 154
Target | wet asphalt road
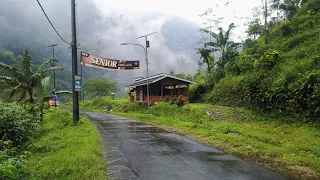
x: 134, y: 150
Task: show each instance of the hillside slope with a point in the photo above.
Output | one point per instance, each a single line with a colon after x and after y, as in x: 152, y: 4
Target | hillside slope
x: 279, y: 71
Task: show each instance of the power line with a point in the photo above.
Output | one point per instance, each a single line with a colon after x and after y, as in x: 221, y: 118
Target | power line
x: 51, y: 23
x: 67, y: 53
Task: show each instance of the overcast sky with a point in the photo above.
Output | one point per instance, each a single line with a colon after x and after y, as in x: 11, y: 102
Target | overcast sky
x: 231, y: 10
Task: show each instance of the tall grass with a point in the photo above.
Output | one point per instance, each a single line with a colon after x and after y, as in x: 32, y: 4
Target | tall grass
x: 65, y: 150
x: 290, y: 148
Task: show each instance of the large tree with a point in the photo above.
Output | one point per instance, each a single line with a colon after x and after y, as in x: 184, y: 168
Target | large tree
x: 100, y: 87
x: 206, y: 58
x: 255, y: 28
x: 222, y: 43
x: 23, y: 79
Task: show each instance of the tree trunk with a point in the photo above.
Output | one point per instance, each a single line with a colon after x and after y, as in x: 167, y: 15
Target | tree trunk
x: 265, y: 14
x: 208, y: 68
x: 30, y: 91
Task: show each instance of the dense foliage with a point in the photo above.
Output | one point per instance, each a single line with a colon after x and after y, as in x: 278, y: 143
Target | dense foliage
x: 22, y: 79
x: 65, y: 150
x: 278, y: 70
x: 100, y: 87
x: 271, y: 141
x: 16, y: 124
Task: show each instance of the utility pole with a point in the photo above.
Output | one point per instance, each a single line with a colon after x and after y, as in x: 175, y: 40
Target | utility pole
x: 75, y: 94
x: 146, y: 57
x: 54, y: 75
x: 82, y: 92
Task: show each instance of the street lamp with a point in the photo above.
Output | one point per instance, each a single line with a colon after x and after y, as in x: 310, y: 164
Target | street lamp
x: 54, y: 76
x: 146, y: 59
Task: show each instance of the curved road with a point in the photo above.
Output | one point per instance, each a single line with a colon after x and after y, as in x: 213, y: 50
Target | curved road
x: 134, y: 150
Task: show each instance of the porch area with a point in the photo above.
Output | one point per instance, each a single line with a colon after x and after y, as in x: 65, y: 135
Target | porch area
x: 161, y: 87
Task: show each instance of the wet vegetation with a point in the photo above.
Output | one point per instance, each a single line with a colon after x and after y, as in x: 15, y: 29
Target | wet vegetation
x: 278, y: 69
x: 65, y: 150
x: 260, y: 98
x: 287, y: 146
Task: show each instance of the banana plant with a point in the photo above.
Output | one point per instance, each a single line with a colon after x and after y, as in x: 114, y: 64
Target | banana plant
x: 24, y: 80
x: 44, y: 95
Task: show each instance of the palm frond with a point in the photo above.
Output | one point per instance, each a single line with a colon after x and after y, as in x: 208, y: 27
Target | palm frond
x: 204, y: 53
x: 55, y: 69
x: 204, y: 30
x: 36, y: 79
x: 42, y: 88
x: 44, y: 66
x: 227, y: 34
x: 215, y: 35
x: 6, y: 81
x: 26, y: 64
x: 18, y: 89
x: 22, y: 95
x: 8, y: 68
x: 63, y: 92
x: 213, y: 44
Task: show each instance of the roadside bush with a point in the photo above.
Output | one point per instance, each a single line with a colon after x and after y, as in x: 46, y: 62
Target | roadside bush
x: 13, y: 168
x: 268, y: 60
x: 196, y: 92
x: 173, y: 100
x: 180, y: 101
x: 186, y: 113
x: 60, y: 118
x: 16, y: 124
x: 166, y: 98
x: 227, y: 92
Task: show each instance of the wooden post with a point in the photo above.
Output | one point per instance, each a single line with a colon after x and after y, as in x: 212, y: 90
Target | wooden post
x: 161, y: 90
x: 178, y: 91
x: 171, y: 89
x: 187, y: 92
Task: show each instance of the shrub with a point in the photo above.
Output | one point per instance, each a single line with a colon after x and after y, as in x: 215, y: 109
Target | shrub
x: 60, y: 119
x: 166, y: 98
x: 16, y: 124
x: 268, y: 60
x: 13, y: 168
x: 173, y: 100
x: 180, y: 101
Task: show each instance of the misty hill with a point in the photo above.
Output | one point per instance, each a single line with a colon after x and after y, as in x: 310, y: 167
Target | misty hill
x: 23, y: 26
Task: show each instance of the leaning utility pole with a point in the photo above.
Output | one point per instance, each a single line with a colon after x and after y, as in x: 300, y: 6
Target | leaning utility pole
x: 54, y: 75
x: 75, y: 94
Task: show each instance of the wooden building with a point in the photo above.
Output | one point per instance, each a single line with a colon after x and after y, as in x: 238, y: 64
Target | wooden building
x: 160, y: 86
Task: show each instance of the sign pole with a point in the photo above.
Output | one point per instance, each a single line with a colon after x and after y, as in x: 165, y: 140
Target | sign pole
x: 75, y: 94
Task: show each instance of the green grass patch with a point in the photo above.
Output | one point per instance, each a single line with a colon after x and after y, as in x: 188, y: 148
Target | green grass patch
x: 292, y: 149
x: 65, y: 150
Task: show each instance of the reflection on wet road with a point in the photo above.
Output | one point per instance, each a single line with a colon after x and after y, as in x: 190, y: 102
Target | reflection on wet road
x: 134, y: 150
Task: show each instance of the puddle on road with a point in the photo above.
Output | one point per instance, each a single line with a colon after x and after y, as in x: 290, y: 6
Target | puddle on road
x: 223, y: 158
x: 131, y: 127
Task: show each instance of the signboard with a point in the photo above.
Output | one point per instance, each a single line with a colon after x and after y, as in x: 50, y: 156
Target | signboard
x: 77, y: 83
x: 106, y: 63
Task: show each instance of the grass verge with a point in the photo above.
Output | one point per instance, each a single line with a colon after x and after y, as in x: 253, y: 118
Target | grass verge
x: 292, y: 149
x: 65, y: 150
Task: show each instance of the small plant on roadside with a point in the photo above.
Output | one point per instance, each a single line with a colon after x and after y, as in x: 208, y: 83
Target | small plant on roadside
x: 16, y: 124
x: 166, y: 98
x: 13, y: 168
x: 180, y: 101
x: 173, y: 100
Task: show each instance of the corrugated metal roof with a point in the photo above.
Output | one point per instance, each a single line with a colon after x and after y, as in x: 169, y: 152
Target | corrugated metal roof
x: 156, y: 78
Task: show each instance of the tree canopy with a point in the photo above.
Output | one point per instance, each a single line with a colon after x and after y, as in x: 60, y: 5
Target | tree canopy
x: 23, y: 80
x: 100, y: 87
